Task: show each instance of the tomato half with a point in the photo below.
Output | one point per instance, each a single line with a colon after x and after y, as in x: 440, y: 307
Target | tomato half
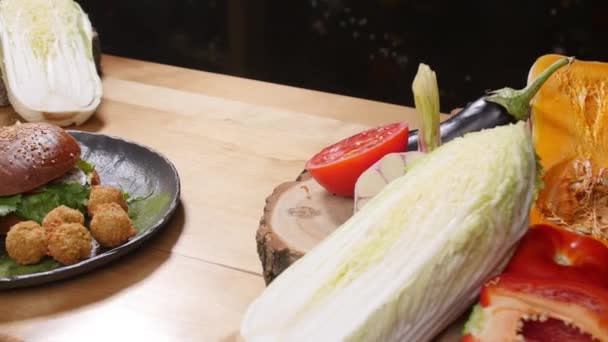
x: 337, y: 167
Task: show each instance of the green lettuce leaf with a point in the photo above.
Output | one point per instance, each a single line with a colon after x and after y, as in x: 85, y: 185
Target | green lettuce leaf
x: 85, y: 166
x: 8, y: 204
x: 144, y: 210
x: 9, y: 268
x: 36, y: 206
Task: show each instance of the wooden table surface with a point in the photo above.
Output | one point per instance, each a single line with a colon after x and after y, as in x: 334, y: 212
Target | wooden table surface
x: 232, y: 140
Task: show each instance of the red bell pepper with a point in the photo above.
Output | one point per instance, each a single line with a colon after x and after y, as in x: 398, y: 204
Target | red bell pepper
x: 524, y: 308
x: 555, y: 288
x: 549, y: 252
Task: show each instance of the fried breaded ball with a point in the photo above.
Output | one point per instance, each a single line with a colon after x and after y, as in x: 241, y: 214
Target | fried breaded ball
x: 61, y: 215
x: 25, y: 243
x: 69, y: 243
x: 103, y: 194
x: 111, y: 226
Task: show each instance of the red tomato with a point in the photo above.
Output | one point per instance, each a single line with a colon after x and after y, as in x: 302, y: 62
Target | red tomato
x: 337, y: 167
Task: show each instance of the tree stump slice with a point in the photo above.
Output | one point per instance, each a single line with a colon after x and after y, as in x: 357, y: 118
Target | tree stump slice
x: 297, y: 216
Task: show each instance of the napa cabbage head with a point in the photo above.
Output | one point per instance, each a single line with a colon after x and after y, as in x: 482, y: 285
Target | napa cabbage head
x: 413, y: 259
x: 47, y: 60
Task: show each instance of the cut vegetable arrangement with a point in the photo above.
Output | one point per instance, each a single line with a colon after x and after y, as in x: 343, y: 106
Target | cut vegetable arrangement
x: 414, y: 257
x: 411, y: 260
x: 498, y: 108
x: 339, y: 166
x: 47, y: 60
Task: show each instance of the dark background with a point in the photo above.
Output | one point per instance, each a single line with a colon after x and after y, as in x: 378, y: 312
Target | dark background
x: 368, y: 49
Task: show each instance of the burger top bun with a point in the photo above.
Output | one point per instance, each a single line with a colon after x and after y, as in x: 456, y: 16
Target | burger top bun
x: 33, y: 154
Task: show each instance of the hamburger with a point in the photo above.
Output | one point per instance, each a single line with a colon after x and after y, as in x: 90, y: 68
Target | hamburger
x: 40, y: 169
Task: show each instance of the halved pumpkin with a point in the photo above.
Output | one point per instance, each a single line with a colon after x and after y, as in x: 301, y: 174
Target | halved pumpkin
x: 570, y: 124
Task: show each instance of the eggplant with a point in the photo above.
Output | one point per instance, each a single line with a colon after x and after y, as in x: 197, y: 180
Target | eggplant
x: 496, y: 108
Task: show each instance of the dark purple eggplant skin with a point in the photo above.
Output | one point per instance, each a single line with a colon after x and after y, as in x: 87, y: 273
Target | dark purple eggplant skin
x: 477, y: 115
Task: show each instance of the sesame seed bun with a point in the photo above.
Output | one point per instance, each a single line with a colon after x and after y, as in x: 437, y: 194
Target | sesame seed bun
x: 33, y: 154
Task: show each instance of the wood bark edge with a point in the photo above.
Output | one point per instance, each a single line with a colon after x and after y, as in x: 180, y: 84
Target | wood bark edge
x: 274, y: 254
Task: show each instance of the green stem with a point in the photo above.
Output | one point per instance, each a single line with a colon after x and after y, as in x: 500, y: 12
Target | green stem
x: 517, y: 101
x: 426, y: 99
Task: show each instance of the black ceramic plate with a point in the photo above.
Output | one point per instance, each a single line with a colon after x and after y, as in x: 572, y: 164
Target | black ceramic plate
x: 136, y: 169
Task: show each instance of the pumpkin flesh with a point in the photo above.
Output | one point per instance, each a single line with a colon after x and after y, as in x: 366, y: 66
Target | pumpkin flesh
x: 570, y: 123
